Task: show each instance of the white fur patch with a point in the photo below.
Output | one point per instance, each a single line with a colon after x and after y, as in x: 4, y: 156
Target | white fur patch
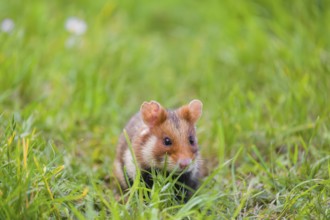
x: 119, y: 172
x: 144, y: 131
x: 129, y: 164
x: 147, y: 151
x: 171, y: 165
x: 193, y: 166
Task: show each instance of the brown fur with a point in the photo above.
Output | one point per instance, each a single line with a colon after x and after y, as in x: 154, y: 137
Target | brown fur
x: 180, y: 146
x: 153, y: 122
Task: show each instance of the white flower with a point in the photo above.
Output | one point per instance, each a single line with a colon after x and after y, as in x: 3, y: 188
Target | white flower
x: 7, y: 25
x: 75, y: 26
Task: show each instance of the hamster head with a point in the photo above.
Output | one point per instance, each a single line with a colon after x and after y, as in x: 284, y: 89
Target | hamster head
x: 171, y: 136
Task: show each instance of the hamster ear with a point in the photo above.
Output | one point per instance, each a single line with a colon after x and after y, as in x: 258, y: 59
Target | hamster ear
x: 195, y: 108
x: 193, y: 111
x: 152, y: 113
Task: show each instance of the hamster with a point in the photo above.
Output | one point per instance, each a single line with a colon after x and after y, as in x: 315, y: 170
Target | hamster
x: 158, y: 135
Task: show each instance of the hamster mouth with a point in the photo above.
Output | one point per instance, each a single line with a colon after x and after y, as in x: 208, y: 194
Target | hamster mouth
x: 177, y: 169
x: 171, y: 166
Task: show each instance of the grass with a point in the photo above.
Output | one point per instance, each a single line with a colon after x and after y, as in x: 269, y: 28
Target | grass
x: 261, y: 69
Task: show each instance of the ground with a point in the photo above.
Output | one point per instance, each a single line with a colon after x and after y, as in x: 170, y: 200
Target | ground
x: 72, y: 73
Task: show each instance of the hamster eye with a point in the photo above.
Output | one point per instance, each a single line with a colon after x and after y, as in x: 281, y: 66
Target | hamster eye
x: 167, y: 141
x: 192, y: 140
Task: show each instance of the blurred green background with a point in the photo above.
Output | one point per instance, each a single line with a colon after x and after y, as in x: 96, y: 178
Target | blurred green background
x: 73, y: 72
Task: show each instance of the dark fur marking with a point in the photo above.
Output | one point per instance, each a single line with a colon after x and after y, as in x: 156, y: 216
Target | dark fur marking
x: 174, y: 118
x: 184, y: 179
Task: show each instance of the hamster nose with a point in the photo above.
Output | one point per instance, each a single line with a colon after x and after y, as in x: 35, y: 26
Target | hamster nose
x: 183, y: 163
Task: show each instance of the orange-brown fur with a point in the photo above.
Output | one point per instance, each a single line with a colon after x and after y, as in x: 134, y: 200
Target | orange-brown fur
x: 147, y: 130
x: 178, y: 148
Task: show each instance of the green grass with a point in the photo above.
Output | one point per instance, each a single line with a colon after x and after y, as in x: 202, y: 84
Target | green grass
x: 261, y: 68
